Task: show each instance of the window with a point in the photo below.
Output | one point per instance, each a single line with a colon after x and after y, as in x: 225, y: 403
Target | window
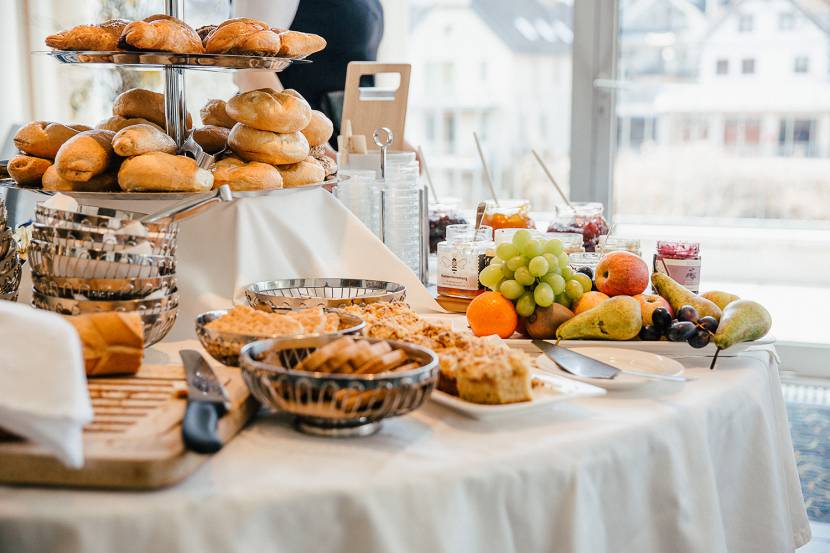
x: 748, y: 66
x: 449, y: 132
x: 741, y: 135
x: 745, y: 23
x: 797, y: 137
x: 786, y: 21
x: 801, y: 64
x: 722, y: 67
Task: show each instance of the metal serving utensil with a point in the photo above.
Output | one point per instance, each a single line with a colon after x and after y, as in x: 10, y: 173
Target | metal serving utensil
x: 189, y: 208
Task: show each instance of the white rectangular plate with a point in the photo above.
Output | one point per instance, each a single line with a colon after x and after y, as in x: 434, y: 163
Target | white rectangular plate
x: 556, y: 389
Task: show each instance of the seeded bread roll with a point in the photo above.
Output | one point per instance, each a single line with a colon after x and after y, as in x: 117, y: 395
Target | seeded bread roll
x: 305, y: 172
x: 214, y: 113
x: 269, y: 110
x: 142, y: 139
x: 106, y: 182
x: 319, y: 129
x: 86, y: 155
x: 211, y: 138
x: 160, y: 172
x: 42, y: 138
x: 27, y: 170
x: 243, y: 176
x: 328, y: 164
x: 276, y: 149
x: 145, y: 104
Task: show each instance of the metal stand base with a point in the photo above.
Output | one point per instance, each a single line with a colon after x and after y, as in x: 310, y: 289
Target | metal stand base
x: 308, y: 427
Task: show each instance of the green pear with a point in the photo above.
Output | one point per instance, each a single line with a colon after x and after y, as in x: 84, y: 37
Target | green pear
x: 678, y: 296
x: 720, y: 298
x: 742, y: 321
x: 619, y: 318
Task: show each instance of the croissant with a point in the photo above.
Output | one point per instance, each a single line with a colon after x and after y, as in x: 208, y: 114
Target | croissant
x: 100, y: 38
x: 163, y: 34
x: 243, y: 36
x: 294, y: 44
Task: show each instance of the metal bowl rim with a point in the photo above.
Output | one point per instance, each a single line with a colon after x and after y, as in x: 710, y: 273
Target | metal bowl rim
x: 208, y: 316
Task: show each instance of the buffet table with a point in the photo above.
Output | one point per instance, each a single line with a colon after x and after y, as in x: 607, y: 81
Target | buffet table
x: 702, y: 466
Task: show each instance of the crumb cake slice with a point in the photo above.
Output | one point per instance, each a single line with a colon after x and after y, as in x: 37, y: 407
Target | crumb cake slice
x: 505, y: 379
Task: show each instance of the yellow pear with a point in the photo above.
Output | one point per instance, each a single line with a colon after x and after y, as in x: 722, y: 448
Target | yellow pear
x: 678, y: 296
x: 619, y: 318
x: 720, y: 298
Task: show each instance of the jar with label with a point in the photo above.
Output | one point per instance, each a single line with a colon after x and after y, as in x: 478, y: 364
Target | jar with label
x: 441, y: 215
x: 680, y: 261
x: 461, y: 257
x: 608, y: 244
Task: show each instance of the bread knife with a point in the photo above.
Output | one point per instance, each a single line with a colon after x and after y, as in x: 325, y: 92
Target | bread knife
x: 207, y: 402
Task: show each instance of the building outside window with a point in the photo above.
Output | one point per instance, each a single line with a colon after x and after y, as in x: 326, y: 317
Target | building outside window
x: 722, y: 67
x: 801, y: 64
x: 746, y: 22
x: 748, y: 66
x: 786, y: 21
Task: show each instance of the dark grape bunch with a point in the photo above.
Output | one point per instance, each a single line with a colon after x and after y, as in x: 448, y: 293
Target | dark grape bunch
x: 687, y: 327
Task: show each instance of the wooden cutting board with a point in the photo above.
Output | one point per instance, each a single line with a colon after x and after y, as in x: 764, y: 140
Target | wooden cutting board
x: 134, y: 440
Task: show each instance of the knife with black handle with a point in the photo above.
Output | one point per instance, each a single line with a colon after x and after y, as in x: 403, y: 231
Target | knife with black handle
x: 207, y: 402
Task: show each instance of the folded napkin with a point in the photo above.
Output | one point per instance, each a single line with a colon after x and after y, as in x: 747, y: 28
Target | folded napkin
x: 44, y: 396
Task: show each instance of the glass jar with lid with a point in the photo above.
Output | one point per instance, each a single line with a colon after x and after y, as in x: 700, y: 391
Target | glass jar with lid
x: 679, y: 260
x: 441, y: 215
x: 608, y: 244
x: 571, y: 241
x: 508, y: 214
x: 461, y: 257
x: 585, y: 218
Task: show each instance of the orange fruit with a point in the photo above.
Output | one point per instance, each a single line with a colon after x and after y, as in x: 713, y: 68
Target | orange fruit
x: 588, y: 300
x: 491, y: 313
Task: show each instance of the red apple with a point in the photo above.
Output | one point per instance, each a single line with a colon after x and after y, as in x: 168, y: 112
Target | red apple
x: 621, y: 274
x: 650, y: 302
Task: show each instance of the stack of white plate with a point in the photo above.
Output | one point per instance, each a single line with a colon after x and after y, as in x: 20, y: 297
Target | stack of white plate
x: 10, y: 270
x: 98, y: 259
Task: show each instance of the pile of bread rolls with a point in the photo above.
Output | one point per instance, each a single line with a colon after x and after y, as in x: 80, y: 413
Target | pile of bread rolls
x: 163, y: 33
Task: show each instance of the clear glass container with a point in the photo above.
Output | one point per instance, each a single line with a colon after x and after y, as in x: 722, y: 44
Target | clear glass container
x: 679, y: 260
x: 506, y: 234
x: 361, y: 195
x: 585, y: 218
x: 508, y: 214
x: 441, y: 215
x: 584, y: 259
x: 608, y: 244
x: 461, y: 257
x: 401, y: 213
x: 571, y: 241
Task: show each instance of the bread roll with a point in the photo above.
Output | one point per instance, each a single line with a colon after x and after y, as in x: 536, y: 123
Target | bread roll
x: 27, y: 170
x: 242, y: 176
x: 214, y: 114
x: 328, y: 164
x: 268, y: 110
x: 145, y: 104
x: 42, y: 138
x: 305, y: 172
x: 85, y: 155
x: 204, y: 31
x: 106, y: 182
x: 277, y: 149
x: 80, y: 128
x: 294, y: 44
x: 211, y: 138
x: 161, y: 33
x: 117, y: 123
x: 99, y: 38
x: 160, y: 172
x: 319, y: 129
x: 142, y: 139
x: 243, y: 36
x: 113, y: 343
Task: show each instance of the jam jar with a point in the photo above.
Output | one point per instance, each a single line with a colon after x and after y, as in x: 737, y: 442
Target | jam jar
x: 585, y: 218
x: 508, y: 214
x: 442, y: 214
x: 680, y: 261
x: 461, y: 257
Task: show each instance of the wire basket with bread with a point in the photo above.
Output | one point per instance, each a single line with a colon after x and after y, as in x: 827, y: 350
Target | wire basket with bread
x: 10, y: 264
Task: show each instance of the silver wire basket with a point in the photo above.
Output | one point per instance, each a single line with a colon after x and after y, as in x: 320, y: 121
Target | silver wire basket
x: 326, y: 292
x: 158, y: 315
x: 160, y: 243
x: 7, y: 241
x: 97, y: 218
x: 336, y: 405
x: 225, y: 346
x: 113, y: 289
x: 54, y: 260
x: 11, y: 271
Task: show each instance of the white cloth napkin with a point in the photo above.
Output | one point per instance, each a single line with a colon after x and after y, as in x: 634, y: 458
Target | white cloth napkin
x: 43, y: 393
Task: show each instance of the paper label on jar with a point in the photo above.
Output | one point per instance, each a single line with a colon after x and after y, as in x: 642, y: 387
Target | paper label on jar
x: 459, y: 271
x: 684, y: 271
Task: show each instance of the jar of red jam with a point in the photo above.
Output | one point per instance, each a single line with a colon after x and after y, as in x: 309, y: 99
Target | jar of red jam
x: 680, y: 261
x: 585, y: 218
x: 508, y: 214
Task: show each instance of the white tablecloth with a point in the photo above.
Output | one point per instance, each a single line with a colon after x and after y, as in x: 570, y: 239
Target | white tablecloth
x: 701, y: 467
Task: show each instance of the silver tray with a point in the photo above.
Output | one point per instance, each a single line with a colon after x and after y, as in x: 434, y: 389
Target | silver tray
x: 327, y: 292
x: 155, y: 196
x: 156, y: 60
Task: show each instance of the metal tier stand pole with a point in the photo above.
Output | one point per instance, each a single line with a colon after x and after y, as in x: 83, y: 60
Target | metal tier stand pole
x: 175, y: 108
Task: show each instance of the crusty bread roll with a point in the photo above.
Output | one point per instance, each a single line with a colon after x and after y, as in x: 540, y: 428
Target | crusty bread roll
x: 27, y: 170
x: 243, y: 176
x: 160, y: 172
x: 277, y: 149
x: 145, y: 104
x: 243, y: 36
x: 42, y: 138
x: 142, y: 139
x: 269, y: 110
x: 305, y: 172
x: 328, y: 164
x: 113, y: 343
x: 116, y: 123
x: 80, y: 128
x: 214, y: 114
x: 106, y: 182
x: 294, y: 44
x: 211, y: 138
x: 161, y: 33
x: 319, y: 129
x: 85, y: 155
x: 98, y: 38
